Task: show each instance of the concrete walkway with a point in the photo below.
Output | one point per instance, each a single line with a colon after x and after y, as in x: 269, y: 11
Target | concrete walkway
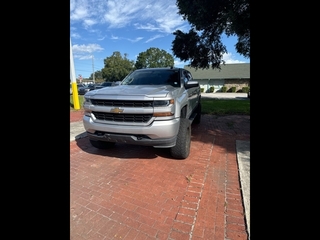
x: 219, y: 95
x: 243, y: 157
x: 77, y: 130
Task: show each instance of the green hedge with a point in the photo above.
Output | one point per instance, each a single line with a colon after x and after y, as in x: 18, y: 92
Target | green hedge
x: 245, y: 89
x: 224, y: 89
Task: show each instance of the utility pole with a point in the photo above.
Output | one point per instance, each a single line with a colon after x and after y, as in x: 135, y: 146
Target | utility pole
x: 76, y: 104
x: 93, y: 70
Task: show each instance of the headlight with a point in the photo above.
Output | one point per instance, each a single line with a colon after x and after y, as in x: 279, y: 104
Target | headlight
x: 87, y: 101
x: 87, y: 112
x: 163, y: 103
x: 163, y: 108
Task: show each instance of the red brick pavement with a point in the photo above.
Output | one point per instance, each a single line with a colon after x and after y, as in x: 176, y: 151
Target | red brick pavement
x: 138, y: 193
x: 76, y: 115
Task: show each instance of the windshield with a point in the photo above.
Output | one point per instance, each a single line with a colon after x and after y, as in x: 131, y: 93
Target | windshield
x: 153, y: 77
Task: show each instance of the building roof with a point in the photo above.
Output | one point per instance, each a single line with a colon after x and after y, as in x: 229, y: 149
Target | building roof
x: 227, y: 71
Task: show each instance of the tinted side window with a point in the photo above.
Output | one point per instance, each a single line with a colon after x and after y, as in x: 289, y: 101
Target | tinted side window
x: 186, y: 76
x: 189, y: 76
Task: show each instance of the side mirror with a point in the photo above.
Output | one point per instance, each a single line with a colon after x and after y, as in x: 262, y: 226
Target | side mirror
x: 191, y: 84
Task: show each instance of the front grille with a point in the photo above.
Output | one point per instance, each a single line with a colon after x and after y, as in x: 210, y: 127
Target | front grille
x: 121, y: 103
x: 118, y: 117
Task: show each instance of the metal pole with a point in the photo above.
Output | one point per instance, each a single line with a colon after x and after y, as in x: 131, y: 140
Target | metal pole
x: 93, y: 70
x: 76, y: 104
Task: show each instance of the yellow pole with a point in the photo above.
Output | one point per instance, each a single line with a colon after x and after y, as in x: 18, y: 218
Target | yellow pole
x: 76, y: 102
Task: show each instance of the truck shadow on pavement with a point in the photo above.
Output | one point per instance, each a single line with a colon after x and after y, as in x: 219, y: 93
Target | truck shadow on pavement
x: 124, y: 151
x: 222, y: 131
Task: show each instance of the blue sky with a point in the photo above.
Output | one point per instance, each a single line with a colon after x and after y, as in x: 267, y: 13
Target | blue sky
x: 100, y: 27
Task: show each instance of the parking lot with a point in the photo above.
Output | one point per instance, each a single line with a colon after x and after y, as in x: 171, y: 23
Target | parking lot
x: 136, y: 192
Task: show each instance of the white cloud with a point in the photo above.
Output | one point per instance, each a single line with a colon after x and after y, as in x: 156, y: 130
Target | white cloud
x: 136, y: 39
x: 102, y: 38
x: 90, y: 48
x: 153, y: 38
x: 89, y: 22
x: 79, y: 13
x: 72, y: 5
x: 228, y: 58
x: 158, y: 15
x: 114, y: 37
x: 85, y: 51
x: 148, y: 26
x: 120, y: 13
x: 82, y: 57
x: 168, y: 19
x: 75, y: 35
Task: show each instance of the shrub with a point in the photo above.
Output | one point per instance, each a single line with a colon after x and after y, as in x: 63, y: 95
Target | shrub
x: 224, y: 89
x: 211, y: 89
x: 245, y: 89
x: 202, y: 89
x: 233, y: 89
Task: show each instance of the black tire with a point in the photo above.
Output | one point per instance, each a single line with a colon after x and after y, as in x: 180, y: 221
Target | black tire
x: 182, y: 148
x: 197, y: 119
x: 101, y: 144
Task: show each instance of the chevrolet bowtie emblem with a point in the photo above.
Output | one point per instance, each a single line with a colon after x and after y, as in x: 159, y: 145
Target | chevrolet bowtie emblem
x: 116, y: 110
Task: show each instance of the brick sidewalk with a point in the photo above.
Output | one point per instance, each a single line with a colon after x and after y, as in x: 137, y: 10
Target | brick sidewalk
x: 76, y: 115
x: 135, y: 192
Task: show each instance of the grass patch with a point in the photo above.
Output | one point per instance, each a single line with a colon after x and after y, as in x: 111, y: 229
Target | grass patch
x: 81, y: 100
x: 225, y: 106
x: 209, y: 106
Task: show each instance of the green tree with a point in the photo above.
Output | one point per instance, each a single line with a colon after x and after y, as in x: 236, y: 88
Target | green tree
x: 209, y: 19
x: 97, y: 75
x: 116, y: 67
x: 154, y: 57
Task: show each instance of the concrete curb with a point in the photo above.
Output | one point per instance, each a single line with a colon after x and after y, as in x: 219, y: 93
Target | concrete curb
x: 77, y: 131
x: 218, y: 95
x: 243, y: 158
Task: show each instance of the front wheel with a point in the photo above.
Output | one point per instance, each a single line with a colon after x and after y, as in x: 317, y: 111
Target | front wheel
x: 182, y: 148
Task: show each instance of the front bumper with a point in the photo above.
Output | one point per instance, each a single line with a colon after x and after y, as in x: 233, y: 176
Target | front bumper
x: 159, y: 134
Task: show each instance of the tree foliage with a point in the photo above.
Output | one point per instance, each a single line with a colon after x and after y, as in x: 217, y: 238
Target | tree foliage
x: 97, y: 75
x: 209, y: 19
x: 116, y: 67
x: 154, y: 57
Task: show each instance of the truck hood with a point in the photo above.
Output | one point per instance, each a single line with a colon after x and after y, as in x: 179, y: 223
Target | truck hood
x: 141, y: 91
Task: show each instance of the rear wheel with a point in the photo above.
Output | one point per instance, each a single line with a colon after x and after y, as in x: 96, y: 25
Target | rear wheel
x: 101, y: 144
x: 182, y: 148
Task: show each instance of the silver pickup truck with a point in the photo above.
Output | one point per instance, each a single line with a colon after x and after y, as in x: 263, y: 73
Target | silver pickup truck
x: 151, y: 107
